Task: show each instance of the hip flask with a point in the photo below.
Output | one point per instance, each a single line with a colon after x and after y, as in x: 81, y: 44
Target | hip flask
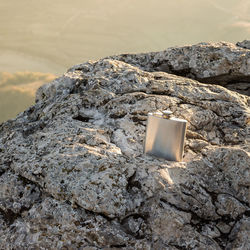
x: 165, y: 136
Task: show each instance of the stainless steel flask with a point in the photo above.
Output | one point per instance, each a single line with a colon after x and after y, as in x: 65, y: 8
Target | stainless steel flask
x: 165, y: 136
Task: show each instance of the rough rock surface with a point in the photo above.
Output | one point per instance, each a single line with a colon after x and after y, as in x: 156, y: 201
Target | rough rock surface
x: 72, y: 170
x: 221, y: 63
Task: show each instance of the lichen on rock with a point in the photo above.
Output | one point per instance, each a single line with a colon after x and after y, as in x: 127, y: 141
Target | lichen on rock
x: 72, y: 169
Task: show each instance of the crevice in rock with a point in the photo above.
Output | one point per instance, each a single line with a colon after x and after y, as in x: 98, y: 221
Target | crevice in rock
x: 32, y: 114
x: 216, y: 194
x: 82, y: 118
x: 212, y: 195
x: 79, y: 86
x: 165, y: 66
x: 132, y: 183
x: 224, y: 238
x: 31, y: 129
x: 179, y: 247
x: 194, y: 216
x: 222, y: 80
x: 26, y: 181
x: 2, y: 171
x: 240, y: 87
x: 138, y: 230
x: 90, y: 212
x: 137, y: 120
x: 144, y: 216
x: 247, y: 213
x: 9, y: 216
x: 134, y: 92
x: 182, y: 72
x: 118, y: 116
x: 118, y: 246
x: 160, y: 92
x: 178, y: 208
x: 198, y: 222
x: 229, y: 82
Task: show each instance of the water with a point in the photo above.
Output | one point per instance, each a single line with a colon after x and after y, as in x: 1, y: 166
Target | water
x: 50, y: 36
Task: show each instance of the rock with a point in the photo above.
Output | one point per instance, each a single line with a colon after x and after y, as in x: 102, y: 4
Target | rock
x: 239, y: 237
x: 244, y: 44
x: 240, y: 87
x: 73, y: 173
x: 223, y: 227
x: 218, y: 63
x: 230, y: 206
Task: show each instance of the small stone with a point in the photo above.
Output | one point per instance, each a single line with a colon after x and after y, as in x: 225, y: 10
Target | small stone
x: 210, y: 231
x: 223, y: 227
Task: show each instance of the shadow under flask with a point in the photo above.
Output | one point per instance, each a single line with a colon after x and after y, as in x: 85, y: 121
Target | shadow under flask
x: 165, y: 136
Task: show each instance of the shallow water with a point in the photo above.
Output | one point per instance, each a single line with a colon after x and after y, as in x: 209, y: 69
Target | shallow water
x: 51, y: 36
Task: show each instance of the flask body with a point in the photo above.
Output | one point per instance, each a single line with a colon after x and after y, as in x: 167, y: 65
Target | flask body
x: 165, y: 137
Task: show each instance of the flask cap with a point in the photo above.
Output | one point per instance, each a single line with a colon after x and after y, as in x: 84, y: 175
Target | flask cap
x: 167, y: 114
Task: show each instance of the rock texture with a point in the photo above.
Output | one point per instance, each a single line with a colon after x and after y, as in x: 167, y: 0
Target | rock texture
x: 218, y: 63
x: 72, y: 170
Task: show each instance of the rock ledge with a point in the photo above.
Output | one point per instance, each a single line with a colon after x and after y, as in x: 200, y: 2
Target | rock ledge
x: 72, y: 170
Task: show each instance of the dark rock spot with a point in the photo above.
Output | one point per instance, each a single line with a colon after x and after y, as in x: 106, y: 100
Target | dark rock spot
x: 82, y: 118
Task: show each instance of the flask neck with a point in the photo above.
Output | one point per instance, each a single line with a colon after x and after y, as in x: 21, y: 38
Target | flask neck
x: 167, y: 114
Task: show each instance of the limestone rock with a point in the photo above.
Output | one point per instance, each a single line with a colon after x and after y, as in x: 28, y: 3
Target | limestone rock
x: 244, y: 44
x: 72, y: 170
x: 218, y: 63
